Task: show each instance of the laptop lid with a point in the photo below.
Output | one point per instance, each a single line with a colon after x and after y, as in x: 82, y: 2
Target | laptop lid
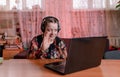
x: 83, y: 53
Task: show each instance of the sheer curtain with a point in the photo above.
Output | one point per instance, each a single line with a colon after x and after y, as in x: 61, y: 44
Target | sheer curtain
x: 78, y: 18
x: 30, y: 24
x: 88, y: 23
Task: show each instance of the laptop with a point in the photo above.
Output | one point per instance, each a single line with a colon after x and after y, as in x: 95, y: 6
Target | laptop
x: 83, y: 53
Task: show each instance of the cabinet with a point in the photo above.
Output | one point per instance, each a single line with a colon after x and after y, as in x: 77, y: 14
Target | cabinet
x: 10, y: 53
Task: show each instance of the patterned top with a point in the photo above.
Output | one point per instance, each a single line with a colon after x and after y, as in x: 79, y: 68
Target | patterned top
x: 51, y: 53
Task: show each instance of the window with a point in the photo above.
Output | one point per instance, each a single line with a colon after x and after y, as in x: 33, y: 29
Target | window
x: 99, y: 4
x: 16, y: 4
x: 19, y: 4
x: 79, y: 4
x: 2, y: 2
x: 113, y: 3
x: 94, y: 4
x: 31, y: 3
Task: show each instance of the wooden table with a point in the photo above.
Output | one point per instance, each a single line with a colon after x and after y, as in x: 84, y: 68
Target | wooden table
x: 35, y: 68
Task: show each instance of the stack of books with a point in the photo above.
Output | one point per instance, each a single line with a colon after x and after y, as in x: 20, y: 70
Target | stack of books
x: 11, y: 46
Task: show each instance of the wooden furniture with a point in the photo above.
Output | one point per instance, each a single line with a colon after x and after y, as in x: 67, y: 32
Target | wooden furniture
x: 2, y: 42
x: 35, y: 68
x: 10, y: 53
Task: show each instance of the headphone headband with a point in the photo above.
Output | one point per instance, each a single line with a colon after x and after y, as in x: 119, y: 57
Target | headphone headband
x: 47, y: 20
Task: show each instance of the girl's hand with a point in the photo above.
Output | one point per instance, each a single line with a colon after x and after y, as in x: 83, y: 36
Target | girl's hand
x: 46, y: 41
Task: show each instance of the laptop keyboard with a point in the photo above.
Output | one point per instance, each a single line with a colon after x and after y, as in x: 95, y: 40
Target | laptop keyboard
x: 58, y: 66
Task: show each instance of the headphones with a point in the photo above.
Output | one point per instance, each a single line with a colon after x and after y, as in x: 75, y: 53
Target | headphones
x: 49, y: 19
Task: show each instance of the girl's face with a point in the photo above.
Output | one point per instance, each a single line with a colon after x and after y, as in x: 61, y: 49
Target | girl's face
x: 51, y: 30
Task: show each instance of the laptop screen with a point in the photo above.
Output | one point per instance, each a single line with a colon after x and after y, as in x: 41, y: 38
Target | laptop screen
x: 85, y: 52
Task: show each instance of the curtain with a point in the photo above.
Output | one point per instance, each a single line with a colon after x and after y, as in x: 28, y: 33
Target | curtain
x: 113, y: 23
x: 78, y: 18
x: 87, y: 22
x: 62, y: 10
x: 29, y: 25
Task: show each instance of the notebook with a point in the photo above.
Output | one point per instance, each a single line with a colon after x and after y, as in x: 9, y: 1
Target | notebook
x: 83, y: 53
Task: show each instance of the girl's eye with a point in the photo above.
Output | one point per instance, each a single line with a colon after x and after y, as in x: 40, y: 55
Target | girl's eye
x: 55, y: 30
x: 48, y: 29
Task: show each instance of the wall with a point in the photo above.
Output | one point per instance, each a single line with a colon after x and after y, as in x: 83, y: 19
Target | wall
x: 7, y: 23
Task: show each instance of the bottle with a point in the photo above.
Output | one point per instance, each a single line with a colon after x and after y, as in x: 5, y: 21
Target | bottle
x: 1, y: 54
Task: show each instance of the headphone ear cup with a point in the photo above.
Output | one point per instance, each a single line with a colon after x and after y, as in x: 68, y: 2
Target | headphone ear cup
x: 59, y: 28
x: 42, y: 28
x: 42, y: 25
